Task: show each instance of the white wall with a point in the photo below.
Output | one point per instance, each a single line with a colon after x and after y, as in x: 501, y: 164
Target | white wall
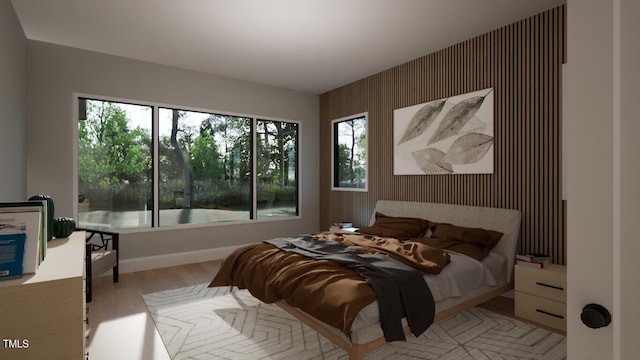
x: 603, y: 173
x: 56, y: 72
x: 13, y: 104
x: 627, y: 267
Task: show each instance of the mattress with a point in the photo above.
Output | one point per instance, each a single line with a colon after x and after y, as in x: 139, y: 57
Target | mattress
x: 460, y: 277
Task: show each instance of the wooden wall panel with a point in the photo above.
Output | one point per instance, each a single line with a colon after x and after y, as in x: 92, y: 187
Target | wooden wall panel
x: 522, y: 62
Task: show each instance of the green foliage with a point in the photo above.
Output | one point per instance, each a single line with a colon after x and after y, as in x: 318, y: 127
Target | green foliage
x: 204, y: 159
x: 109, y: 152
x: 276, y: 145
x: 207, y: 194
x: 121, y: 197
x: 232, y: 138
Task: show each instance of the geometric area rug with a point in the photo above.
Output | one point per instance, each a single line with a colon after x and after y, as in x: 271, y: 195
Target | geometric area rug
x: 197, y: 322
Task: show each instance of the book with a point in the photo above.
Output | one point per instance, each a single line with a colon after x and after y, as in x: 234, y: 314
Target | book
x: 342, y: 225
x: 534, y: 257
x: 30, y: 215
x: 29, y: 222
x: 533, y: 264
x: 11, y: 255
x: 348, y: 229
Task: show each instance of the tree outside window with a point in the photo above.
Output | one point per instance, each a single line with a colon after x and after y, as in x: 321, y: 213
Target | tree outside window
x: 350, y: 153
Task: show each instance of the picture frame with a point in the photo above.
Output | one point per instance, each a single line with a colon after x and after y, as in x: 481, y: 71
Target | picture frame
x: 453, y: 135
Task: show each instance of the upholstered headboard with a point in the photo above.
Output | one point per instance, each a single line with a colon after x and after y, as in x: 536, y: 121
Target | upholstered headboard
x: 507, y: 221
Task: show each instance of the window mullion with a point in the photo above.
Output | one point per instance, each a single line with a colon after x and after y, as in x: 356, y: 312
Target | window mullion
x: 156, y: 169
x: 254, y: 168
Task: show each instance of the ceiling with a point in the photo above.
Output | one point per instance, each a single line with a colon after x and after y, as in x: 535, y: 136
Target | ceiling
x: 305, y: 45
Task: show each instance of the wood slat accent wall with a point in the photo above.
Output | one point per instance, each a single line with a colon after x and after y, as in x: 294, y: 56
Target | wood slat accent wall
x: 522, y: 62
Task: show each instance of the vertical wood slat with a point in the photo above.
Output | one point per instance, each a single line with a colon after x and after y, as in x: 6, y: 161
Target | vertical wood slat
x: 522, y: 62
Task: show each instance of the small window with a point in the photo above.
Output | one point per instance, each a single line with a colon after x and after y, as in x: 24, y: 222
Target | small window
x: 350, y: 153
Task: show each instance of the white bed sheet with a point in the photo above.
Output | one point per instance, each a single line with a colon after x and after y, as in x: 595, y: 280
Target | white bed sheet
x: 461, y: 276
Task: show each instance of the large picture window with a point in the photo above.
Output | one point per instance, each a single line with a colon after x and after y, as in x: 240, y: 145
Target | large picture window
x: 209, y: 167
x: 349, y: 153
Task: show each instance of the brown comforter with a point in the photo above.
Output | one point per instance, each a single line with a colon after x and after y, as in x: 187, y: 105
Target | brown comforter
x: 326, y: 290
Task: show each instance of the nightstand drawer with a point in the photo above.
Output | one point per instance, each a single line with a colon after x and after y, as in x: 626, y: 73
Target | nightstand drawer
x: 543, y: 311
x: 549, y: 282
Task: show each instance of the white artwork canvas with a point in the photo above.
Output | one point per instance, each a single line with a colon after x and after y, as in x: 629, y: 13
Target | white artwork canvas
x: 446, y: 136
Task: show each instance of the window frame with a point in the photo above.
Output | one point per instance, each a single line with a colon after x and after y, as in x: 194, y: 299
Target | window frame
x: 155, y: 106
x: 334, y: 165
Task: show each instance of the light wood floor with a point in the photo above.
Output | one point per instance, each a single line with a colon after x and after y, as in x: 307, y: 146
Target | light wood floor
x: 120, y: 327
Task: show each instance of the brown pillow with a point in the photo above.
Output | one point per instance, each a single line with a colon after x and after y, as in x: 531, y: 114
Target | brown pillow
x: 446, y: 243
x: 481, y: 237
x: 397, y: 227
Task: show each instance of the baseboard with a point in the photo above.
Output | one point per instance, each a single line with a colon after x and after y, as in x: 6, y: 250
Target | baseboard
x: 161, y: 261
x: 509, y: 294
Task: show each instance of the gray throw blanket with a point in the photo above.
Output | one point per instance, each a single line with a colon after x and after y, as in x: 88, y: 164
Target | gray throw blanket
x: 400, y: 289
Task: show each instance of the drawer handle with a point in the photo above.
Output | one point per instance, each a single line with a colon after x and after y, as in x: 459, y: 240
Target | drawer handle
x: 549, y: 286
x: 550, y: 314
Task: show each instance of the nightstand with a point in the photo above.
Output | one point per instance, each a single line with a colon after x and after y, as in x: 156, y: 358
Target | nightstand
x: 541, y: 295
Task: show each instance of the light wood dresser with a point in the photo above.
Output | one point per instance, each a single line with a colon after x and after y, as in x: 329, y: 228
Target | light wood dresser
x: 43, y: 314
x: 541, y: 295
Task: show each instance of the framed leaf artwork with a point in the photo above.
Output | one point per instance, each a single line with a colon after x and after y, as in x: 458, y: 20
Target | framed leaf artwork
x: 445, y: 136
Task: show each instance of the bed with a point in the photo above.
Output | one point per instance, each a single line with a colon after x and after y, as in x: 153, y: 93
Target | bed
x: 464, y: 282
